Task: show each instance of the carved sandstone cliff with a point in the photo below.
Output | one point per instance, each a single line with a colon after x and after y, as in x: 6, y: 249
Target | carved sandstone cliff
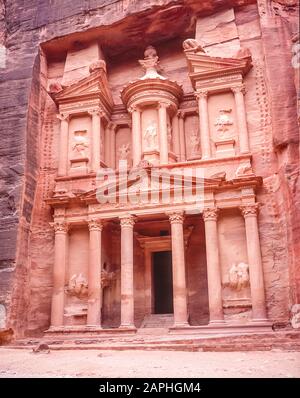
x: 266, y: 26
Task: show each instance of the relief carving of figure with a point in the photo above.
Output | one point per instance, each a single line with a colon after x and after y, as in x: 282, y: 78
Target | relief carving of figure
x: 195, y: 143
x: 107, y: 278
x: 77, y: 286
x: 223, y: 123
x: 80, y: 144
x: 124, y: 151
x: 150, y: 135
x: 295, y: 319
x: 239, y: 276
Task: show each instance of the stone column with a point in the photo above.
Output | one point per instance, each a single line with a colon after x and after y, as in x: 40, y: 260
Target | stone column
x: 59, y: 272
x: 204, y: 124
x: 96, y: 138
x: 213, y: 266
x: 255, y: 263
x: 94, y: 274
x: 178, y: 265
x: 127, y: 300
x: 136, y: 146
x: 63, y: 144
x: 112, y: 145
x: 239, y: 92
x: 176, y: 137
x: 182, y: 136
x: 163, y: 133
x: 107, y: 151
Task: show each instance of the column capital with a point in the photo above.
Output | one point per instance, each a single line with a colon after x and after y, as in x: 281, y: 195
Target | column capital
x: 127, y: 221
x: 60, y: 227
x: 180, y: 114
x: 96, y: 112
x: 250, y: 210
x: 164, y: 104
x: 95, y: 224
x: 201, y: 94
x: 176, y: 217
x: 63, y: 116
x: 241, y: 88
x: 112, y: 126
x: 210, y: 214
x: 134, y: 108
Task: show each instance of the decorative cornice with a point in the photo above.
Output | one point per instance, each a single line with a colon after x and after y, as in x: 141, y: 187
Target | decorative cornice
x: 210, y: 214
x: 60, y: 227
x: 250, y: 210
x: 95, y: 225
x: 176, y: 217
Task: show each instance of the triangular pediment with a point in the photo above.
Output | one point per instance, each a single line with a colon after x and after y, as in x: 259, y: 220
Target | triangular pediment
x: 202, y: 66
x: 93, y: 86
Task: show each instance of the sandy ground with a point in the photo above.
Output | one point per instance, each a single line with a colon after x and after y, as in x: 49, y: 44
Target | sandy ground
x: 111, y: 364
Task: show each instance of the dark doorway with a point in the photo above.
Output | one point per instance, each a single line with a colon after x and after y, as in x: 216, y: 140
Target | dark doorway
x: 162, y: 282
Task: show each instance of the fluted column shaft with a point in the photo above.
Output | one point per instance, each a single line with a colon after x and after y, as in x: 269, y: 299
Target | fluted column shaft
x: 127, y: 298
x: 178, y: 265
x: 176, y: 137
x: 94, y: 274
x: 204, y: 124
x: 96, y: 138
x: 255, y: 263
x: 239, y: 92
x: 63, y: 144
x: 136, y: 136
x: 59, y: 272
x: 213, y: 266
x: 181, y: 136
x: 163, y: 133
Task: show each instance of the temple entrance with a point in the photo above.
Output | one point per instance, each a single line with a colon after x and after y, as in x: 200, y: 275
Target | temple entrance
x: 162, y: 282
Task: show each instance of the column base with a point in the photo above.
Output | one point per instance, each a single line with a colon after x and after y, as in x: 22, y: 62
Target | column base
x: 216, y: 322
x: 260, y: 321
x: 127, y: 327
x: 180, y: 325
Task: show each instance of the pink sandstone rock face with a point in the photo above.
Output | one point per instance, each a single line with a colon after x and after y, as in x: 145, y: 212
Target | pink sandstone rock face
x: 50, y: 47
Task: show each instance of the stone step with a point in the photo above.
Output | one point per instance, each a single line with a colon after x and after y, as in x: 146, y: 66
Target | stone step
x: 158, y: 321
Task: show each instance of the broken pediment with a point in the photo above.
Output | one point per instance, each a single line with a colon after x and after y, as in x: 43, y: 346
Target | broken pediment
x: 203, y: 67
x: 91, y: 88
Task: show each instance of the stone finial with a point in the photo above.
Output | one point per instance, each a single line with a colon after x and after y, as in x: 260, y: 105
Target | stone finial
x: 151, y: 64
x: 192, y: 45
x: 98, y: 65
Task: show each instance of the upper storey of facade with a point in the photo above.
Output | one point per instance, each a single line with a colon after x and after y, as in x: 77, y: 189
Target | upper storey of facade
x: 155, y: 119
